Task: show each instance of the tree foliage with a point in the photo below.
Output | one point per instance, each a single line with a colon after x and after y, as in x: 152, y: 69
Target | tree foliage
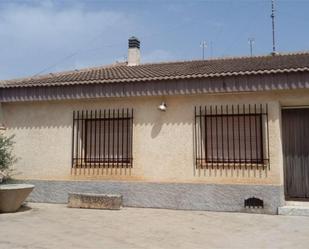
x: 7, y: 158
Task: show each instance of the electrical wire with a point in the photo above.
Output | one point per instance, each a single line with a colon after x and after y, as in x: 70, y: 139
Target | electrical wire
x: 79, y: 51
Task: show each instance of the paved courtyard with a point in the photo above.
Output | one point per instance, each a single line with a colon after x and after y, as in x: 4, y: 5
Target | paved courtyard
x: 45, y: 226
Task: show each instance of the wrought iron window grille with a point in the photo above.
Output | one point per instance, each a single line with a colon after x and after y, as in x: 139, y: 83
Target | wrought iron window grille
x: 102, y: 139
x: 231, y: 136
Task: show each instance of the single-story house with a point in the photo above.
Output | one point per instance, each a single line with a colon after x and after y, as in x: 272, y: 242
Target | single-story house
x: 226, y: 134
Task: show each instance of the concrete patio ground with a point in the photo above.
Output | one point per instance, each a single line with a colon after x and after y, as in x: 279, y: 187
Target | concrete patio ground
x: 43, y: 226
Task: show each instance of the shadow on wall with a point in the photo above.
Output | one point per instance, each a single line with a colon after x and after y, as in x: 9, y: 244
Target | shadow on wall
x: 60, y: 114
x: 157, y: 126
x: 53, y: 114
x: 56, y: 114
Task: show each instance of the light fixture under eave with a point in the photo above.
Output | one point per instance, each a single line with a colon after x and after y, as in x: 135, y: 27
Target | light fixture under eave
x: 162, y: 107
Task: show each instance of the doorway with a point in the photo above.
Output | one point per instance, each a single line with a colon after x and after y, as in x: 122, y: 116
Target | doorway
x: 295, y: 139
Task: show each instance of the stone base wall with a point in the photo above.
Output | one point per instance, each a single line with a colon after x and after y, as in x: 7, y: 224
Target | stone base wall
x: 189, y: 196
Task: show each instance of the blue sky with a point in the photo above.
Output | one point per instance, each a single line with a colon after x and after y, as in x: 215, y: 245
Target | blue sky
x: 38, y: 37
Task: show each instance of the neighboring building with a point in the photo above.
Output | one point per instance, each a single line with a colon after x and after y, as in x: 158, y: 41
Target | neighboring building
x: 227, y: 130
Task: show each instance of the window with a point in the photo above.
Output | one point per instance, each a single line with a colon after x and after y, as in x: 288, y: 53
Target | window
x: 102, y: 138
x: 231, y: 136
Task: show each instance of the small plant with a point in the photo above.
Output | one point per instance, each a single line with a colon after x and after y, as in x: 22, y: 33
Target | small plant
x: 7, y: 158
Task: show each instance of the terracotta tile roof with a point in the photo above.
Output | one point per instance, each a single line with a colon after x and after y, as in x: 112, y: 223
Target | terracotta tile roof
x: 296, y: 62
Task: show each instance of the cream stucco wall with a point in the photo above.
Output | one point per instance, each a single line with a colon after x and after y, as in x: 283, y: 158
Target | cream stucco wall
x: 162, y: 142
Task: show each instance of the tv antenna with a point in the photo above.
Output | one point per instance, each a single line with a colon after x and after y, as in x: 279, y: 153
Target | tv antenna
x: 273, y: 25
x: 251, y: 41
x: 203, y: 45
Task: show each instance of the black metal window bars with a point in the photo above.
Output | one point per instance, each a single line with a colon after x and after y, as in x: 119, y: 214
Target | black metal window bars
x: 102, y: 139
x: 231, y: 136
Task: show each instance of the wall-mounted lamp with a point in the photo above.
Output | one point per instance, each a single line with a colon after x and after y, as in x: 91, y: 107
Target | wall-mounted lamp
x: 162, y: 107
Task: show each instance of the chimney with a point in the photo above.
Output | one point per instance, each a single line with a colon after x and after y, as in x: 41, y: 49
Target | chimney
x: 134, y: 54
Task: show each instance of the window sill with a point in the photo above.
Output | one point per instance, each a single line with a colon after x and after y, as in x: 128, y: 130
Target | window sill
x: 110, y: 165
x: 214, y: 165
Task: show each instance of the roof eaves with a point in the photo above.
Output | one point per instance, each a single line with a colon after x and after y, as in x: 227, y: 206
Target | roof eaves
x: 144, y: 79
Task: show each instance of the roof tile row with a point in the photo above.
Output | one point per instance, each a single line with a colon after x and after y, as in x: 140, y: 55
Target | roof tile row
x: 170, y: 70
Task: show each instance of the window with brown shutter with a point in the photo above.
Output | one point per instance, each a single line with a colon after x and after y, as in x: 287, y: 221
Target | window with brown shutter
x: 102, y: 138
x: 231, y: 136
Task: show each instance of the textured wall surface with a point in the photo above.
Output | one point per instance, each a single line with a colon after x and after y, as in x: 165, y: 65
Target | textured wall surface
x: 162, y: 142
x: 213, y: 197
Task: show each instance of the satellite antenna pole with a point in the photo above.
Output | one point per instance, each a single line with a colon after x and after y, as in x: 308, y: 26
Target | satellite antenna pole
x: 251, y: 42
x: 203, y: 45
x: 273, y: 25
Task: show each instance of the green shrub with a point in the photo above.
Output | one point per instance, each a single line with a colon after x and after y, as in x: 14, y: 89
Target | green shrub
x: 7, y: 158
